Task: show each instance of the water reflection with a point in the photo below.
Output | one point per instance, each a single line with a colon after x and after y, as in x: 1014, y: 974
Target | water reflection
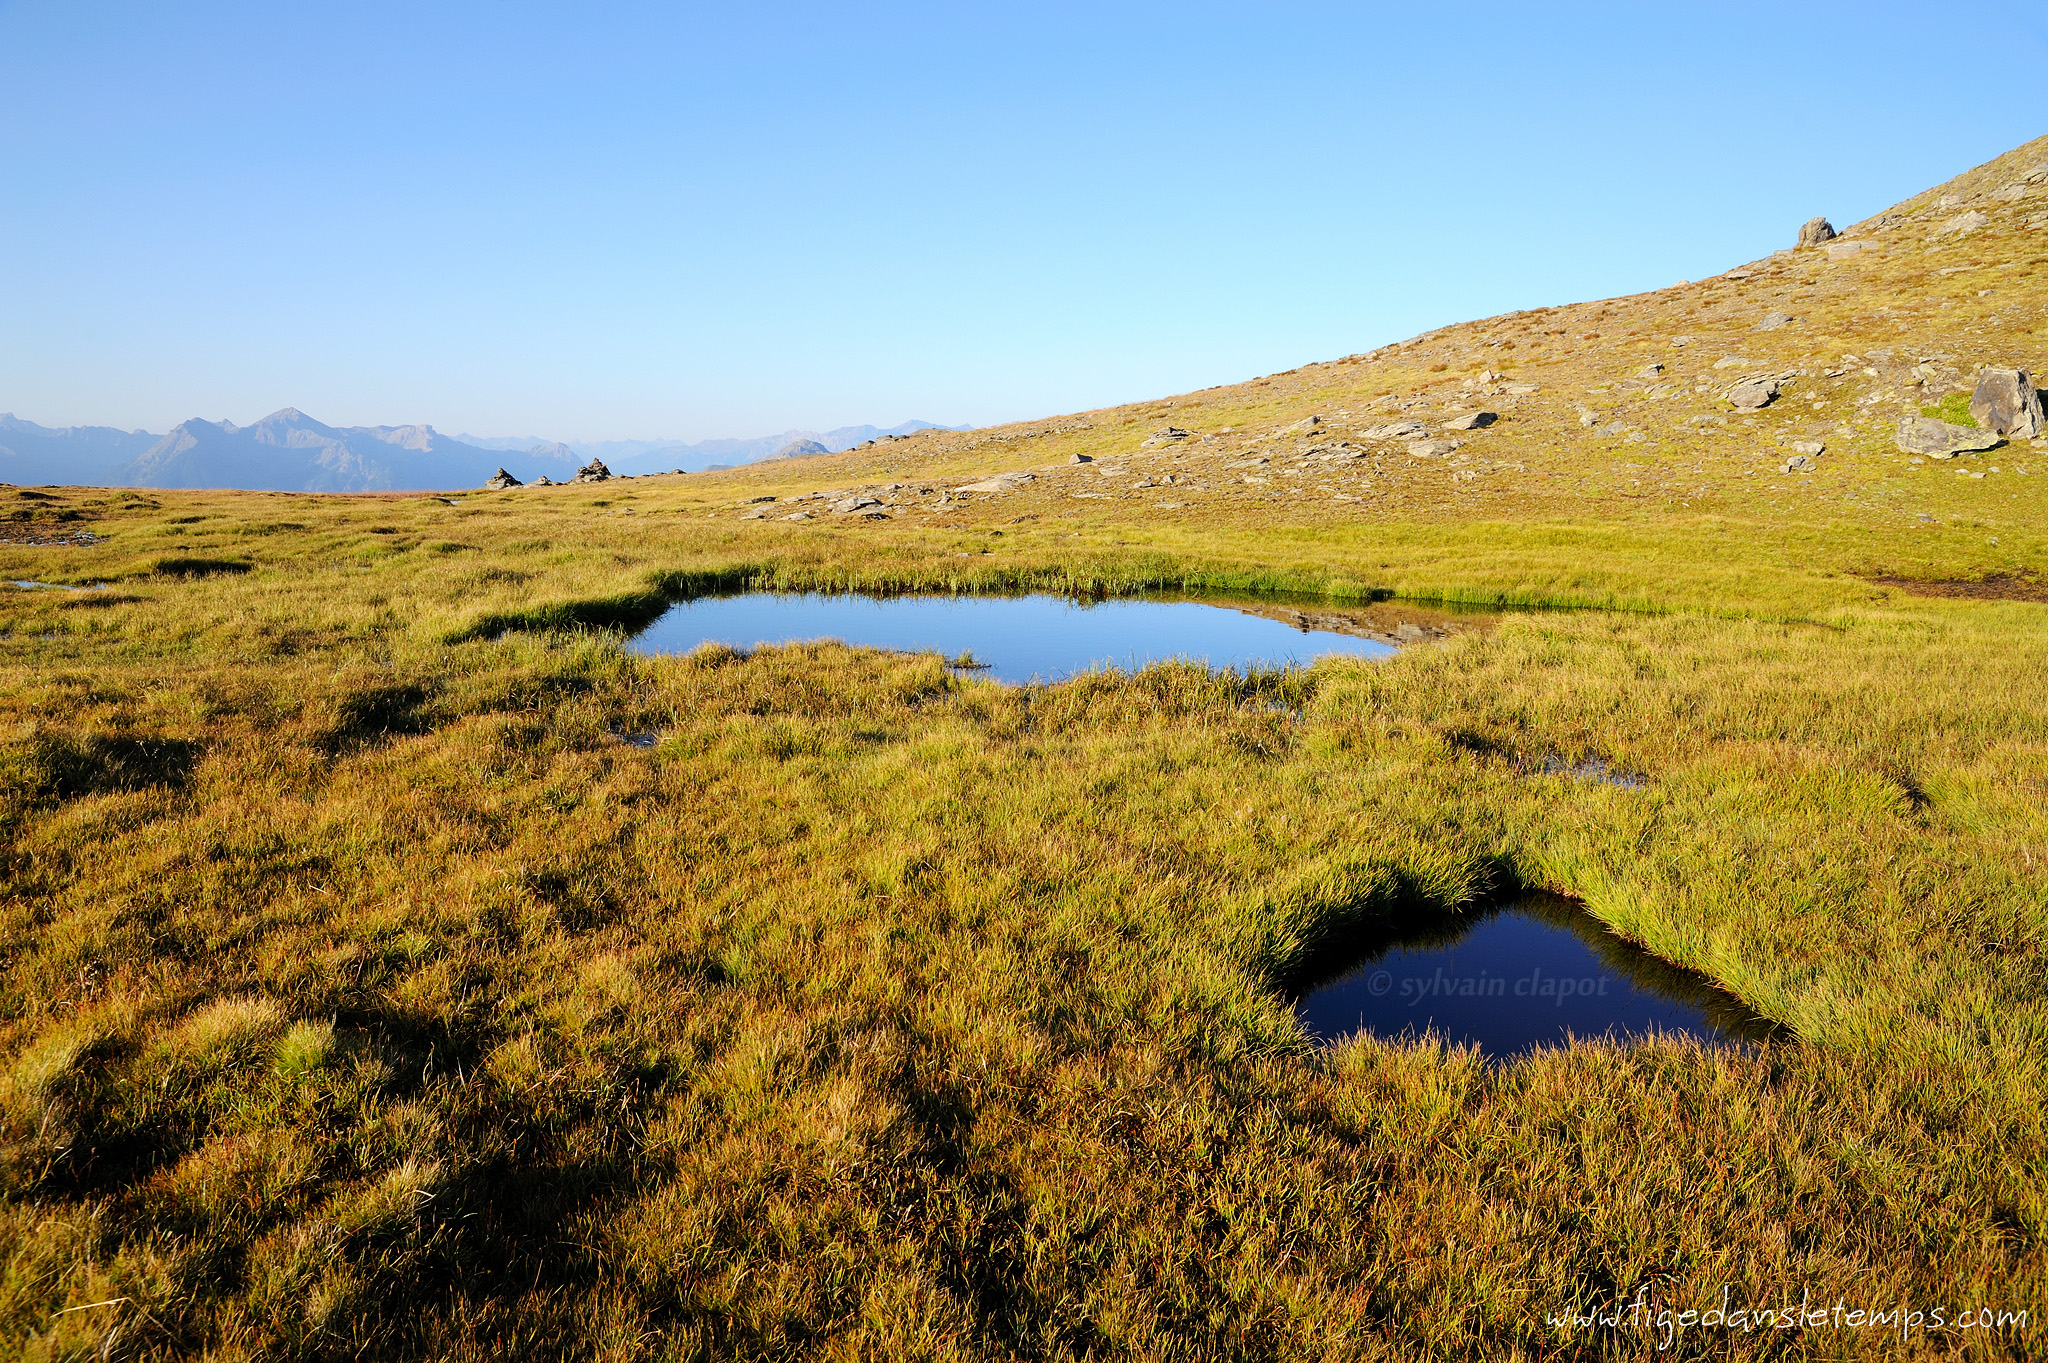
x: 1513, y: 977
x: 1039, y: 637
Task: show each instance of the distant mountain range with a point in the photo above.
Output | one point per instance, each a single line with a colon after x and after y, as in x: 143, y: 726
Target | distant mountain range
x: 659, y: 456
x: 70, y: 454
x: 290, y: 451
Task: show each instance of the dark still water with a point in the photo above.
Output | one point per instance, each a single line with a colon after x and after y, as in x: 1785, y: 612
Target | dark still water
x: 1020, y: 638
x: 1535, y: 973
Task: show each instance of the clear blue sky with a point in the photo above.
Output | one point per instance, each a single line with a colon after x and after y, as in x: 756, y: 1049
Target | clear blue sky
x: 622, y: 220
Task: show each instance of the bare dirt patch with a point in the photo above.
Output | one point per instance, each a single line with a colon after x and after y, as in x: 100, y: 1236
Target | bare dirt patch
x: 1997, y: 587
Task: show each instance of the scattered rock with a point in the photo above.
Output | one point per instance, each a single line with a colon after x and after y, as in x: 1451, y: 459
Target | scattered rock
x: 848, y: 505
x: 1431, y: 449
x: 1471, y: 421
x: 1773, y: 321
x: 2007, y: 402
x: 1816, y: 231
x: 1588, y: 417
x: 1002, y: 482
x: 1080, y: 459
x: 1753, y: 395
x: 1398, y: 430
x: 1962, y: 224
x: 751, y: 501
x: 1927, y: 435
x: 1798, y: 463
x: 593, y: 472
x: 1307, y: 423
x: 1806, y: 447
x: 1651, y: 370
x: 501, y: 480
x: 544, y: 481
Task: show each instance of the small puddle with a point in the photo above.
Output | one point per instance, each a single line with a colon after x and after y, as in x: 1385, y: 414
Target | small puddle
x: 1536, y: 972
x: 1041, y: 637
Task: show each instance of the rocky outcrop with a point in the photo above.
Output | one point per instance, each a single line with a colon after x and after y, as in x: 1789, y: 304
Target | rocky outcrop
x: 2007, y: 402
x: 1927, y: 435
x: 593, y: 472
x: 1816, y: 231
x: 501, y: 480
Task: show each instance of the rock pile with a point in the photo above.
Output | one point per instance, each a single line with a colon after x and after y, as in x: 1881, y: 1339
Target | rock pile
x: 501, y: 480
x: 593, y: 472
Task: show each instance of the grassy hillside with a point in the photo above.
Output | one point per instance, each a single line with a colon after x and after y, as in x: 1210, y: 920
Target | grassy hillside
x: 367, y: 995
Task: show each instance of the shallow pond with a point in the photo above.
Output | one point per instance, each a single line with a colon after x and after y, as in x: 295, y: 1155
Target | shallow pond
x: 1021, y: 638
x: 1535, y: 973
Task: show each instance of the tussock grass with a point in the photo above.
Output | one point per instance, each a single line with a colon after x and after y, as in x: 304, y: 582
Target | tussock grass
x: 365, y: 994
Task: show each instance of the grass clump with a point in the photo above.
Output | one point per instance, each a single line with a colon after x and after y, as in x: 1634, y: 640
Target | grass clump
x: 1954, y: 409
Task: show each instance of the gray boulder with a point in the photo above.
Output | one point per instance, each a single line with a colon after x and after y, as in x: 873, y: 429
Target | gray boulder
x: 501, y: 480
x: 846, y: 506
x: 2007, y: 402
x: 1772, y: 321
x: 1753, y: 395
x: 1927, y: 435
x: 1471, y: 421
x: 1397, y: 430
x: 593, y: 472
x: 1816, y: 231
x: 1080, y: 459
x: 1431, y: 449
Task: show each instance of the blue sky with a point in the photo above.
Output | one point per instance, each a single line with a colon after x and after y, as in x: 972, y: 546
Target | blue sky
x: 667, y: 220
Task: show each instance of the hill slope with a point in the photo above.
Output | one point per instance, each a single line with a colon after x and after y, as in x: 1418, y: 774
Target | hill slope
x: 1617, y: 411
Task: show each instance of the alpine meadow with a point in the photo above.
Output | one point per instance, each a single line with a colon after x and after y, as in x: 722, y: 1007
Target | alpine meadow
x: 398, y: 965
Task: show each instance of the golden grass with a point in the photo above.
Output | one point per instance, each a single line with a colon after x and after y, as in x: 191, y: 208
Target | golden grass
x: 366, y: 995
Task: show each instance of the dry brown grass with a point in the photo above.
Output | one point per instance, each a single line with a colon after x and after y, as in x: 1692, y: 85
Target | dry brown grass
x: 365, y: 995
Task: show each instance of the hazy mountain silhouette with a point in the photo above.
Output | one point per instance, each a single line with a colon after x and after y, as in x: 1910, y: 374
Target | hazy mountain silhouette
x: 65, y: 454
x: 291, y: 451
x: 659, y: 456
